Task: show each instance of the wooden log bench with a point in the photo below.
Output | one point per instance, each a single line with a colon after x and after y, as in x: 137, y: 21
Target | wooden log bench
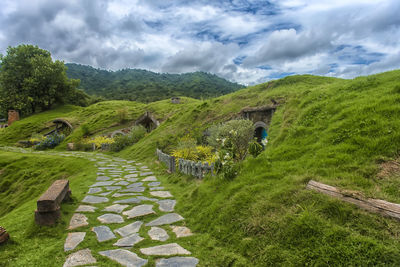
x: 48, y: 205
x: 379, y: 206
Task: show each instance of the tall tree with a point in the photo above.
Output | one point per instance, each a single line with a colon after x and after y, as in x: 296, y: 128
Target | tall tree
x: 29, y: 79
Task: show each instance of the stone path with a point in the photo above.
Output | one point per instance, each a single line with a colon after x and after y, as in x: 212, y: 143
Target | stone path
x: 126, y: 207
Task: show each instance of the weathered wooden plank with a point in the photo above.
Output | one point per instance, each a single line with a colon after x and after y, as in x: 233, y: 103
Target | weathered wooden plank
x: 373, y: 205
x: 51, y: 199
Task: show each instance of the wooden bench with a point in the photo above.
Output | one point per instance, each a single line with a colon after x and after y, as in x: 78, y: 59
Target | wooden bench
x: 48, y: 205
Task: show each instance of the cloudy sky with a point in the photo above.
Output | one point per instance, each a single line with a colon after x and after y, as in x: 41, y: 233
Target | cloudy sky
x: 244, y: 41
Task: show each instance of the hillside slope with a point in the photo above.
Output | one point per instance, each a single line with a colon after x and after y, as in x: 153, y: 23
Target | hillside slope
x: 147, y: 86
x: 330, y: 130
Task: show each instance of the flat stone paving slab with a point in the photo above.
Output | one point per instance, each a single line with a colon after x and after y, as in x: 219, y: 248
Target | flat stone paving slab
x: 94, y: 200
x: 177, y: 262
x: 132, y: 180
x: 118, y: 208
x: 106, y: 183
x: 150, y: 179
x: 154, y: 184
x: 133, y: 190
x: 129, y: 176
x: 140, y: 210
x: 146, y: 173
x: 135, y: 185
x: 73, y: 240
x: 166, y: 219
x: 103, y: 178
x: 128, y: 200
x: 129, y: 241
x: 80, y: 257
x: 103, y: 233
x: 147, y: 198
x: 125, y: 194
x: 157, y: 233
x: 124, y: 257
x: 105, y: 193
x: 86, y: 208
x: 165, y: 250
x: 95, y: 190
x: 181, y: 231
x: 77, y: 220
x: 163, y: 194
x: 129, y: 229
x: 113, y: 188
x: 122, y: 183
x: 110, y: 218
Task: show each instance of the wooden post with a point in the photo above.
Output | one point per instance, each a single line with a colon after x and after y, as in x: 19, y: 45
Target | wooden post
x: 373, y: 205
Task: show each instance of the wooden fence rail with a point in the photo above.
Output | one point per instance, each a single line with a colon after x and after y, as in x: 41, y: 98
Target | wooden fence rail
x: 197, y: 169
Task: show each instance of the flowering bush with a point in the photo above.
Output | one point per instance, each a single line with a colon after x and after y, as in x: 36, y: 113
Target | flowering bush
x: 232, y: 137
x: 231, y: 140
x: 100, y: 140
x: 50, y: 141
x: 187, y: 149
x: 255, y: 148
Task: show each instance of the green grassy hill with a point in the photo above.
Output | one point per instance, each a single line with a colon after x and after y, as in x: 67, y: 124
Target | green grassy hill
x: 330, y: 130
x: 23, y: 178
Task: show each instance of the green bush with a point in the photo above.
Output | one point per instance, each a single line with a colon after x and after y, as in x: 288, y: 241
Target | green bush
x: 122, y: 141
x: 255, y: 148
x: 232, y: 137
x: 85, y: 130
x: 122, y: 115
x: 137, y: 133
x: 83, y: 147
x: 50, y: 141
x: 231, y: 140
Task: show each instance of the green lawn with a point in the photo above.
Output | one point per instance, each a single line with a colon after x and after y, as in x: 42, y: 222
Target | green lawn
x: 330, y: 130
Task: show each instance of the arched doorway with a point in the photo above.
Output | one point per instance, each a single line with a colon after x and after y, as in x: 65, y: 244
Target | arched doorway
x: 148, y: 121
x: 260, y: 131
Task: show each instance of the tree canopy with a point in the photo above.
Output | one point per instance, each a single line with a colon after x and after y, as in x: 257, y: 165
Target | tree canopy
x: 147, y: 86
x: 31, y: 80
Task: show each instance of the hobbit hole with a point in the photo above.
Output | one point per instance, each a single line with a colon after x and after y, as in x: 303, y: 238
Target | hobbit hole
x: 61, y: 126
x: 148, y: 121
x: 261, y: 116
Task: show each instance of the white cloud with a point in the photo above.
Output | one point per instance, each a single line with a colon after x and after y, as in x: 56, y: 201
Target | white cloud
x: 336, y: 38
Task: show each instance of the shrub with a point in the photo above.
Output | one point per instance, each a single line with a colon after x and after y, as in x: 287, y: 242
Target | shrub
x: 232, y: 137
x: 226, y: 166
x: 137, y: 133
x: 50, y: 141
x: 120, y: 142
x: 231, y: 140
x: 85, y: 130
x: 187, y: 149
x: 122, y: 115
x: 98, y: 141
x: 83, y: 147
x: 255, y: 148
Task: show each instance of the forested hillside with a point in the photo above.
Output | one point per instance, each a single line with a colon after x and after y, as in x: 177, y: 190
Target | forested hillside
x: 147, y: 86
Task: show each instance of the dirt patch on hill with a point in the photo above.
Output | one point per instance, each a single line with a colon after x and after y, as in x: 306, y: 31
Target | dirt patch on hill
x: 389, y: 168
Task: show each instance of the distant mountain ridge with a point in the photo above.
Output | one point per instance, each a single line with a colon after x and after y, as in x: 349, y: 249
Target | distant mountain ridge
x: 146, y: 86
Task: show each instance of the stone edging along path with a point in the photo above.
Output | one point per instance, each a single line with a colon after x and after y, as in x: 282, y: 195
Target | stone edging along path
x: 134, y: 208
